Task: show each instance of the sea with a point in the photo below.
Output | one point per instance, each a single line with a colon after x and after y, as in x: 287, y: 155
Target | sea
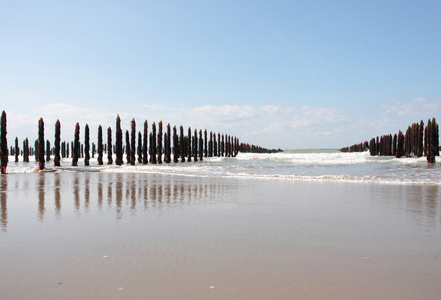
x: 291, y: 165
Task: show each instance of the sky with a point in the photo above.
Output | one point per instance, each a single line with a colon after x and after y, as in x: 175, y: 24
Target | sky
x: 278, y: 74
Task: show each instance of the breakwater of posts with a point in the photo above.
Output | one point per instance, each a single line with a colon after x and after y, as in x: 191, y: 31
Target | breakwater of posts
x: 144, y: 147
x: 418, y: 141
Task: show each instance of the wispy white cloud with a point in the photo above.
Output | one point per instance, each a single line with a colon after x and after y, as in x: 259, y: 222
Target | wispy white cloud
x: 415, y: 107
x: 264, y: 125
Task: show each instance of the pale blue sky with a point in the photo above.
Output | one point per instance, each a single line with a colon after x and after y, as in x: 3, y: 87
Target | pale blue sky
x: 289, y: 74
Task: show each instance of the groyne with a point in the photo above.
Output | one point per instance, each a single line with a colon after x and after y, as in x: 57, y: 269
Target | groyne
x: 153, y: 147
x: 417, y: 141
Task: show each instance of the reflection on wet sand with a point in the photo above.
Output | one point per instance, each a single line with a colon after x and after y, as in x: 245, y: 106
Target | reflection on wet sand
x: 122, y: 192
x: 140, y: 192
x: 41, y: 195
x: 3, y: 201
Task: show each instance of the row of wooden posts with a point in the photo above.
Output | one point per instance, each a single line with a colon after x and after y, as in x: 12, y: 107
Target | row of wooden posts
x: 418, y: 141
x: 154, y: 147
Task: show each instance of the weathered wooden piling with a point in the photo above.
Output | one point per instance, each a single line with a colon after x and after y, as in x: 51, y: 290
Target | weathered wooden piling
x: 168, y: 144
x: 195, y: 145
x: 4, y: 157
x: 189, y: 145
x: 109, y: 146
x: 128, y: 147
x: 214, y: 145
x: 205, y: 142
x: 76, y: 146
x: 145, y: 144
x: 210, y: 145
x: 139, y: 149
x: 201, y: 146
x: 153, y: 144
x: 57, y: 143
x: 181, y: 144
x: 132, y: 143
x: 40, y: 144
x: 17, y: 149
x: 100, y: 145
x: 175, y: 145
x: 48, y: 151
x: 86, y: 145
x: 26, y: 150
x: 159, y: 147
x: 118, y: 142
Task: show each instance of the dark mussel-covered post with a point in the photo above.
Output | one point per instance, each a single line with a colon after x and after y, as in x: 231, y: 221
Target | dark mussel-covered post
x: 109, y: 146
x: 181, y: 144
x: 93, y: 150
x: 128, y: 152
x: 139, y: 149
x: 210, y: 145
x: 119, y: 142
x: 195, y: 145
x: 17, y: 149
x: 214, y: 145
x: 400, y: 145
x: 48, y: 150
x: 201, y: 145
x: 432, y: 140
x: 153, y: 144
x: 57, y: 144
x: 189, y: 145
x: 26, y: 150
x: 76, y: 146
x: 145, y: 144
x: 159, y: 148
x: 205, y: 143
x: 86, y: 145
x: 36, y: 149
x: 100, y: 145
x: 4, y: 157
x: 133, y: 143
x: 420, y: 139
x: 167, y: 152
x: 223, y: 145
x: 394, y: 145
x: 40, y: 144
x: 175, y: 145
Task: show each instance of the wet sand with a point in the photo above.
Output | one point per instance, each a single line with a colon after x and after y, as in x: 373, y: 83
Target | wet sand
x: 97, y: 235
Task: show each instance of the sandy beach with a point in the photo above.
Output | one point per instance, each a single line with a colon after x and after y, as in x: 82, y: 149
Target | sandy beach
x: 98, y: 235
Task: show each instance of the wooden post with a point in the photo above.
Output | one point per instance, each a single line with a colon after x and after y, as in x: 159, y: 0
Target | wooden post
x: 26, y: 150
x: 195, y: 145
x: 76, y: 146
x: 133, y: 143
x: 201, y: 146
x: 48, y: 150
x: 40, y: 144
x: 145, y: 144
x: 168, y: 145
x: 128, y: 148
x: 210, y: 145
x: 139, y: 150
x: 86, y: 145
x: 214, y: 145
x: 159, y: 148
x: 153, y: 142
x: 119, y: 142
x: 175, y: 145
x: 100, y: 145
x: 109, y: 146
x: 4, y: 157
x: 189, y: 144
x: 181, y: 143
x: 57, y: 143
x: 205, y: 141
